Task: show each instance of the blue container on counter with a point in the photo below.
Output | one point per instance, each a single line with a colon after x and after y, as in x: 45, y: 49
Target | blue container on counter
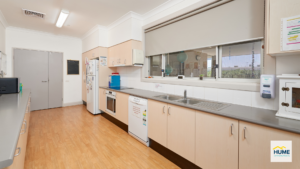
x: 114, y: 81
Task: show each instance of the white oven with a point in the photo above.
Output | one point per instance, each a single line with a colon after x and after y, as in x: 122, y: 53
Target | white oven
x: 111, y: 102
x: 289, y: 96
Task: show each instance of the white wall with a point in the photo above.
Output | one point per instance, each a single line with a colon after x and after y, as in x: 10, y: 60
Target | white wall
x: 125, y: 28
x: 131, y: 76
x: 3, y: 25
x: 71, y: 48
x: 97, y: 36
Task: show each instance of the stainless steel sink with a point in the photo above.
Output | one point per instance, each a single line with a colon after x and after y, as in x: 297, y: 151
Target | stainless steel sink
x: 169, y: 97
x: 189, y: 101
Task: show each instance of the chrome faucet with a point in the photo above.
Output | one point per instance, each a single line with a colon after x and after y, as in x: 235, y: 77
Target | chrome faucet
x: 184, y: 95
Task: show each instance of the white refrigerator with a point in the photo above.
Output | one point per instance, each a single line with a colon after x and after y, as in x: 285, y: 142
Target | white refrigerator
x: 92, y: 86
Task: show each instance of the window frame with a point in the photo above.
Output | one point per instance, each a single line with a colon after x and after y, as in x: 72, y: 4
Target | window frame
x: 219, y: 64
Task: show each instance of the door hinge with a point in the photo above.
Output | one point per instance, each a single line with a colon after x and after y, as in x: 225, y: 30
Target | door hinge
x: 285, y: 89
x: 285, y: 104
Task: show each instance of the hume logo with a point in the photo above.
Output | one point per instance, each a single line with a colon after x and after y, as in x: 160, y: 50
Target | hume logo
x: 281, y: 151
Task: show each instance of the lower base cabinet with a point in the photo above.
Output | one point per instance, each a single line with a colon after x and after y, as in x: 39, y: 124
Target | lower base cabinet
x: 20, y: 153
x: 122, y: 107
x: 216, y: 141
x: 255, y: 147
x: 102, y: 99
x: 181, y: 131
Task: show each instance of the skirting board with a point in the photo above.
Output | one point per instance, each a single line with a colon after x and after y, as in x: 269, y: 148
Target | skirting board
x: 72, y: 104
x: 173, y: 157
x: 120, y: 124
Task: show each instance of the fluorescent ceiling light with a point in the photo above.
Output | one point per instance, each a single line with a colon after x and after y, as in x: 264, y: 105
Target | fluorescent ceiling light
x: 62, y: 18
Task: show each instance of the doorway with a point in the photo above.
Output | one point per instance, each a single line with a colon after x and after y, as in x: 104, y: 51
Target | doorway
x: 42, y: 73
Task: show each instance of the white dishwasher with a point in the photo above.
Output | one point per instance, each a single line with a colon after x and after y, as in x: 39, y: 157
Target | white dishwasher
x: 138, y: 119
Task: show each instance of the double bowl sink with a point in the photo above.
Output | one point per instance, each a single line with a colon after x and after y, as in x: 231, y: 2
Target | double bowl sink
x: 194, y: 102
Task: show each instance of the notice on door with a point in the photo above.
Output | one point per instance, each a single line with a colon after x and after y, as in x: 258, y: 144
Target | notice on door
x: 290, y: 33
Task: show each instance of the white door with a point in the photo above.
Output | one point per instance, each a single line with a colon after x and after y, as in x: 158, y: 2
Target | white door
x: 293, y: 97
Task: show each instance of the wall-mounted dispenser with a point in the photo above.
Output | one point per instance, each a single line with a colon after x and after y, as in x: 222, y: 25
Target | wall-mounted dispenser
x: 267, y: 86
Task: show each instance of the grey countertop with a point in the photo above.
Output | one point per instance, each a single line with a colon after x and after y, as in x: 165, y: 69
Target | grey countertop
x: 249, y: 114
x: 12, y: 112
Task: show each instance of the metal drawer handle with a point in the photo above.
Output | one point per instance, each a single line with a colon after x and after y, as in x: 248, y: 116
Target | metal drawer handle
x: 169, y: 111
x: 164, y: 109
x: 24, y: 130
x: 19, y: 152
x: 231, y: 129
x: 125, y: 61
x: 244, y: 132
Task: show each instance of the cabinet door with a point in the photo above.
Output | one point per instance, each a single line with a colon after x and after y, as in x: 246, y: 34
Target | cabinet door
x: 102, y: 99
x: 127, y: 53
x: 216, y: 141
x: 111, y: 56
x: 83, y: 77
x: 122, y: 107
x: 157, y: 121
x: 118, y: 54
x: 181, y: 131
x: 255, y: 147
x: 19, y: 160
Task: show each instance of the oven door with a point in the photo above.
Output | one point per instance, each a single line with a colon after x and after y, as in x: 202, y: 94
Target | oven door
x: 292, y: 97
x: 111, y: 104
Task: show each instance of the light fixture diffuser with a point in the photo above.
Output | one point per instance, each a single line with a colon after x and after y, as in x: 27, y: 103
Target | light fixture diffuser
x: 62, y: 18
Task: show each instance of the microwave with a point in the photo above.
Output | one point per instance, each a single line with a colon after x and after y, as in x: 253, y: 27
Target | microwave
x: 9, y: 85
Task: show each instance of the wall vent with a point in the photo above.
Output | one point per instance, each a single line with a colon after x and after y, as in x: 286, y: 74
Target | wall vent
x: 33, y: 13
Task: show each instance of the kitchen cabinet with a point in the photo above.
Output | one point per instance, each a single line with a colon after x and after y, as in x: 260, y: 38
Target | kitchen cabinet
x: 254, y: 147
x: 122, y: 107
x: 216, y: 141
x: 20, y: 153
x: 157, y: 119
x: 102, y: 99
x: 174, y: 127
x: 121, y: 54
x: 181, y: 131
x: 275, y: 11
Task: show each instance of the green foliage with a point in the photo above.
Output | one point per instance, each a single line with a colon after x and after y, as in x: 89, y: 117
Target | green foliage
x: 241, y: 73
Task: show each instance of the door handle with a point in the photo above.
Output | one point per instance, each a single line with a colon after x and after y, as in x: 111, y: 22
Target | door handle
x: 19, y: 152
x: 24, y: 130
x: 169, y: 111
x: 244, y: 132
x: 231, y: 129
x: 164, y: 109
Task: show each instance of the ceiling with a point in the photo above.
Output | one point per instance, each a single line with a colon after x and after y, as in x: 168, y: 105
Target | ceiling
x: 84, y: 14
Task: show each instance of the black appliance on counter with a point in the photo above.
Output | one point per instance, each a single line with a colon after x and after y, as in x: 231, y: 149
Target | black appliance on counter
x: 9, y: 85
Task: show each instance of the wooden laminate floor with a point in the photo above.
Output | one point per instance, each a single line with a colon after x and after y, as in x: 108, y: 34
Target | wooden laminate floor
x: 71, y: 137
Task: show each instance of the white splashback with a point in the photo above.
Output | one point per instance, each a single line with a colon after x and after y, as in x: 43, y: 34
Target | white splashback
x: 131, y: 77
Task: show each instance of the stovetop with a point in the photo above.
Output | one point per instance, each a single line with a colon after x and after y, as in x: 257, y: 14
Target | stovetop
x: 120, y: 88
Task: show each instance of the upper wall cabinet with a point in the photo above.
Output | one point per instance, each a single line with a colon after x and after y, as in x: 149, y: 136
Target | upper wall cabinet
x: 275, y: 11
x: 125, y: 54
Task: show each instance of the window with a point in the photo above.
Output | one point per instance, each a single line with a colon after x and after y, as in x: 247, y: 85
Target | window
x: 235, y: 61
x: 155, y: 65
x: 191, y: 63
x: 241, y: 61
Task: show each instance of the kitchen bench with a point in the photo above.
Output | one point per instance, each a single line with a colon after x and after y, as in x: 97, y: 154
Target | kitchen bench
x: 14, y: 125
x: 235, y: 137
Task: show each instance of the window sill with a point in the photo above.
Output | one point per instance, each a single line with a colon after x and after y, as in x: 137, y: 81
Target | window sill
x: 211, y: 83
